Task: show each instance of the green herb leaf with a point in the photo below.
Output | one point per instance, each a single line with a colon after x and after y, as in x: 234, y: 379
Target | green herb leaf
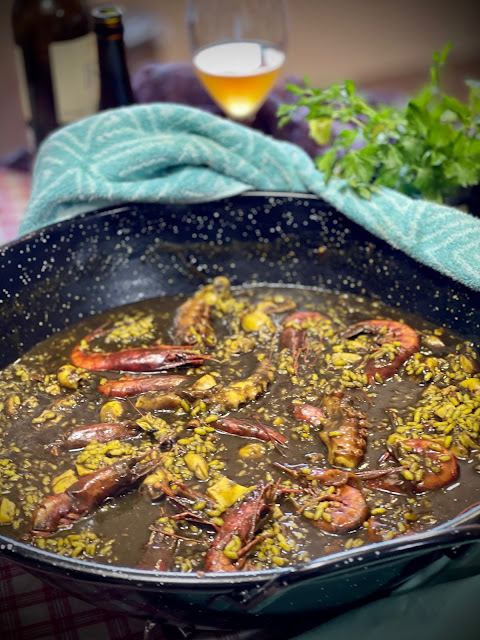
x: 326, y: 162
x: 418, y: 119
x: 441, y: 135
x: 429, y: 147
x: 462, y: 111
x: 348, y: 137
x: 391, y: 157
x: 350, y: 88
x: 320, y: 129
x: 359, y: 165
x: 464, y: 172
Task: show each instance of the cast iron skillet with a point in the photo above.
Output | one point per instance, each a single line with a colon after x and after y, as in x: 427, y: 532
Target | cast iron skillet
x: 58, y: 275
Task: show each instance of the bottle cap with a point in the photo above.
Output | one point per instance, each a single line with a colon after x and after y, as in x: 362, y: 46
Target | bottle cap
x: 107, y: 20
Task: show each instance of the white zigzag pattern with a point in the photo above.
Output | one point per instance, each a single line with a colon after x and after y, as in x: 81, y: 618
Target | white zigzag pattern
x: 432, y: 233
x: 176, y: 153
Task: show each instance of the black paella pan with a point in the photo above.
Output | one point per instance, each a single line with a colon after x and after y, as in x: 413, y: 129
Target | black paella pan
x: 56, y: 276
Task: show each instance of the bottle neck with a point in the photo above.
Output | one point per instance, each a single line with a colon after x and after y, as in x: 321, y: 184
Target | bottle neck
x: 115, y: 88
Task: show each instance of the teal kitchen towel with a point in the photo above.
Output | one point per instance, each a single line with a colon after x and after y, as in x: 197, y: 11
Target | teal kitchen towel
x: 164, y: 152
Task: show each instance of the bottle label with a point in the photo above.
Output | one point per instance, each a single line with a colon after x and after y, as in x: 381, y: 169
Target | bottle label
x: 75, y: 77
x: 22, y: 84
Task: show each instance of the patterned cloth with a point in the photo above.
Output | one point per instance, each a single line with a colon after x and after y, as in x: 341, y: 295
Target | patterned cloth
x: 175, y: 153
x: 32, y: 610
x: 15, y: 189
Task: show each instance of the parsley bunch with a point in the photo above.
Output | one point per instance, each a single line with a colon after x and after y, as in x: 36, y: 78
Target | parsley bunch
x: 428, y: 148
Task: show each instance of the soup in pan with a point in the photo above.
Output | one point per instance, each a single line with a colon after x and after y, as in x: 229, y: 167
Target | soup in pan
x: 241, y: 428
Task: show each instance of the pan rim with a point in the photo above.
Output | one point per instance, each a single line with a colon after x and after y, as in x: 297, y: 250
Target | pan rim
x: 87, y: 570
x: 453, y: 531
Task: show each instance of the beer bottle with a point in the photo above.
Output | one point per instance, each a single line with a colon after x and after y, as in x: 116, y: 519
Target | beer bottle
x: 115, y: 88
x: 57, y: 64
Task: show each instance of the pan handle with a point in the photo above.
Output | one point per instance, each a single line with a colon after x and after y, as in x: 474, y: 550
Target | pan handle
x: 456, y: 551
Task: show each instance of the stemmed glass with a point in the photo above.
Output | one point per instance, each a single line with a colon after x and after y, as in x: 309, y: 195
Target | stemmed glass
x: 238, y: 49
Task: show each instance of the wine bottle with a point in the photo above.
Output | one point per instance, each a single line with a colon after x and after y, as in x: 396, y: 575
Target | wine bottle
x: 115, y: 87
x: 57, y: 66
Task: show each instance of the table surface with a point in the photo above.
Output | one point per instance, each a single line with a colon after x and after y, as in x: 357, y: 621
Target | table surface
x: 14, y: 194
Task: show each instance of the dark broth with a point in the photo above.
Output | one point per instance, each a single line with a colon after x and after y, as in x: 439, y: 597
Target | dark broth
x: 434, y: 395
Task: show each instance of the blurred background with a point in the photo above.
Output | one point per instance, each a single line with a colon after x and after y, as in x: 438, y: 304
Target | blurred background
x: 381, y: 45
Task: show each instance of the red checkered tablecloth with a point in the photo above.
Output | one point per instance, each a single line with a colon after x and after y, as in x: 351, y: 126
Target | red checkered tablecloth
x: 32, y: 610
x: 14, y: 194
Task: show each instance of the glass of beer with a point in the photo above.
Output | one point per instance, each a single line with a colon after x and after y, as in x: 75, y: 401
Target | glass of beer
x: 238, y: 49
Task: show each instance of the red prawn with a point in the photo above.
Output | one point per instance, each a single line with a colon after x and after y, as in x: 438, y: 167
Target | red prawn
x: 158, y: 552
x: 445, y: 467
x: 242, y: 522
x: 156, y: 358
x: 333, y: 477
x: 101, y: 432
x: 83, y: 496
x: 249, y: 429
x: 309, y: 413
x: 294, y: 335
x: 134, y: 385
x: 441, y: 471
x: 192, y: 324
x: 386, y: 331
x: 348, y: 509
